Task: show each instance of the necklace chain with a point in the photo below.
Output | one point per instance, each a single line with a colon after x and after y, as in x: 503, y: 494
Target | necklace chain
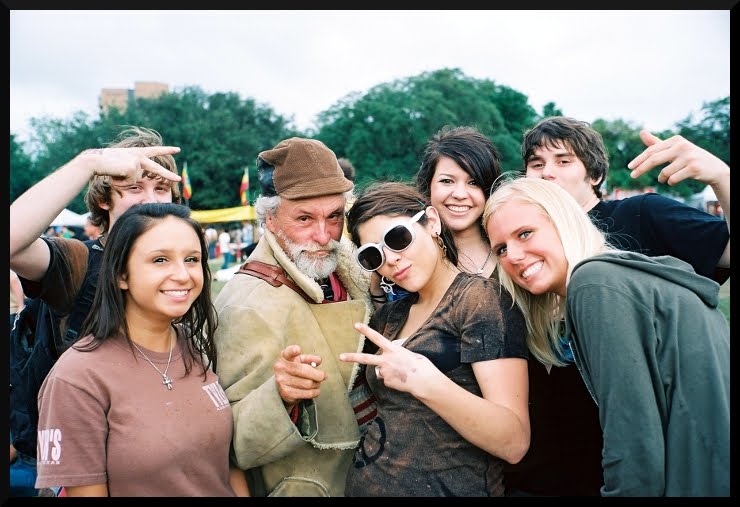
x: 483, y: 266
x: 165, y: 379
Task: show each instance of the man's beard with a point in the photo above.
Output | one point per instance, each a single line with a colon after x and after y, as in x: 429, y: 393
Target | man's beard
x: 317, y: 268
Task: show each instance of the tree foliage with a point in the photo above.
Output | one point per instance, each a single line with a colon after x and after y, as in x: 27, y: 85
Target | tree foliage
x: 710, y: 131
x: 219, y: 135
x: 382, y: 131
x: 22, y: 176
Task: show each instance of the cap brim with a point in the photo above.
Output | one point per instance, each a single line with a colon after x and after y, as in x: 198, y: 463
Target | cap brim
x: 318, y: 188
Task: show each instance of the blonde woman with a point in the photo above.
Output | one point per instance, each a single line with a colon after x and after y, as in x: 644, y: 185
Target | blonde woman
x: 647, y: 336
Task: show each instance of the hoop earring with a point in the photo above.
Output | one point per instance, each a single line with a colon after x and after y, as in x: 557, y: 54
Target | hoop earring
x: 442, y: 245
x: 387, y: 286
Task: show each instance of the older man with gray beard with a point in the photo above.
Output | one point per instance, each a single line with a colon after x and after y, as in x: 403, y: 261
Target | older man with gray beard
x: 279, y: 336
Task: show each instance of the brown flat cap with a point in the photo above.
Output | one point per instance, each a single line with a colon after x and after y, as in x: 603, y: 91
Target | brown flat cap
x: 305, y: 168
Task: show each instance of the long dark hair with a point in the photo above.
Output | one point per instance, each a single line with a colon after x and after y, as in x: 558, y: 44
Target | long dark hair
x: 107, y: 317
x: 393, y: 198
x: 470, y: 149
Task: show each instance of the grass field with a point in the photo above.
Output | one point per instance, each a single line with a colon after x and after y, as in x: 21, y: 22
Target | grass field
x: 724, y: 291
x: 216, y: 286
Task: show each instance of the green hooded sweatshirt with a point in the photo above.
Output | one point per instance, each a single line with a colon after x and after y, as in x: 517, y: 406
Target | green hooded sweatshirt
x: 654, y: 351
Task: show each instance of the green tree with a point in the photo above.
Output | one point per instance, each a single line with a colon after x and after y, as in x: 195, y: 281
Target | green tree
x: 383, y: 131
x: 622, y: 141
x: 219, y: 135
x: 58, y: 141
x: 21, y: 174
x: 550, y: 109
x: 710, y: 131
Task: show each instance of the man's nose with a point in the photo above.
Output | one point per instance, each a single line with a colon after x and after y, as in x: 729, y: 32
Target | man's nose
x: 547, y: 170
x: 322, y: 233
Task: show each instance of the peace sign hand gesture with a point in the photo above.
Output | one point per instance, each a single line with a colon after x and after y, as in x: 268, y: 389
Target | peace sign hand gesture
x: 398, y: 367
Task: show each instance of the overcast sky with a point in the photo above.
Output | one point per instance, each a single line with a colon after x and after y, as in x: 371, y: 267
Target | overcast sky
x: 651, y: 68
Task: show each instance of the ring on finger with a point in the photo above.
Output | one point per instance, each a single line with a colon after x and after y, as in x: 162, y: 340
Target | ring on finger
x: 377, y: 372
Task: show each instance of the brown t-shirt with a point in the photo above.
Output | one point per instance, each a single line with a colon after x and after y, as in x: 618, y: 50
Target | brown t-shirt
x: 63, y: 279
x: 409, y: 450
x: 106, y: 417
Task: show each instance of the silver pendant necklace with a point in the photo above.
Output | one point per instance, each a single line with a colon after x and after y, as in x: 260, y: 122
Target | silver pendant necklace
x: 165, y: 379
x: 483, y: 266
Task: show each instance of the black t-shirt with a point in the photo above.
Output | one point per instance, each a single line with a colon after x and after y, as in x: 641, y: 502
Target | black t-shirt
x: 564, y: 457
x: 654, y: 225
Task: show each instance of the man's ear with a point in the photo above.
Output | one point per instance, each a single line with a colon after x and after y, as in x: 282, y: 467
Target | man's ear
x: 270, y: 223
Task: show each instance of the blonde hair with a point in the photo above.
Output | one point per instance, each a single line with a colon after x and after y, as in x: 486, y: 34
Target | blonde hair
x: 580, y: 240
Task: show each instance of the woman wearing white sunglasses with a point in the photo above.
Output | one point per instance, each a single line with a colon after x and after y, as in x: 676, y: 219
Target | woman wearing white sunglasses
x: 449, y: 372
x: 458, y: 169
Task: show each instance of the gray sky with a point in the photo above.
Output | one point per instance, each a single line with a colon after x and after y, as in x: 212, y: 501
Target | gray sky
x: 651, y: 68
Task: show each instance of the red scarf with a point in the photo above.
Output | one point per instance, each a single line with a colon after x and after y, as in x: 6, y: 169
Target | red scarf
x: 340, y: 293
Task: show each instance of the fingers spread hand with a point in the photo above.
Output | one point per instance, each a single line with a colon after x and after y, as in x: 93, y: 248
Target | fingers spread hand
x: 652, y: 143
x: 297, y: 380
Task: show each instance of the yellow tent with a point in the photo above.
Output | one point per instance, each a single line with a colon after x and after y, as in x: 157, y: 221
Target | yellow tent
x: 235, y: 214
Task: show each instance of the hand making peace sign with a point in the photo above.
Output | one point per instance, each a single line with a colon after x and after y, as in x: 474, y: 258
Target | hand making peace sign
x: 398, y: 367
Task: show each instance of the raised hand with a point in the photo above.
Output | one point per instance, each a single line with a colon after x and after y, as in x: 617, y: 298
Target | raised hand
x: 398, y: 367
x: 297, y: 375
x: 129, y: 165
x: 684, y: 159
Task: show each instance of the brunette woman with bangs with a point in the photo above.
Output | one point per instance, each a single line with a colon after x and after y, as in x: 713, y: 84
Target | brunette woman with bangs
x: 448, y: 361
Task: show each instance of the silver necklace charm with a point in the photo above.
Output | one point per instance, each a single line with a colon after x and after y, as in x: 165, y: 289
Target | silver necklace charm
x: 480, y: 270
x: 165, y: 379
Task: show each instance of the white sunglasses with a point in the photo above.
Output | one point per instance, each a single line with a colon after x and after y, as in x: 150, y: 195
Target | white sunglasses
x: 397, y: 238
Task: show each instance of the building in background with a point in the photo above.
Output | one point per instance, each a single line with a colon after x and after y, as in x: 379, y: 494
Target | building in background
x: 120, y: 97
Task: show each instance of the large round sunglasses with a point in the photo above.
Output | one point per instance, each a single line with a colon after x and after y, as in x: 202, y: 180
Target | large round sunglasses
x: 397, y: 238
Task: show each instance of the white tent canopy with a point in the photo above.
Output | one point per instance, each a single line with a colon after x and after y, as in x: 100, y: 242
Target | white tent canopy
x: 69, y: 218
x: 702, y: 199
x: 708, y: 194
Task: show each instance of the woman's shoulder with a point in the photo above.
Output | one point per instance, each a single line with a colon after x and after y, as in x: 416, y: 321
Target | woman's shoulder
x: 83, y: 355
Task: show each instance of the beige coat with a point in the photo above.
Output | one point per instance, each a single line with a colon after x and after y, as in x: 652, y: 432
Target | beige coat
x: 257, y: 321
